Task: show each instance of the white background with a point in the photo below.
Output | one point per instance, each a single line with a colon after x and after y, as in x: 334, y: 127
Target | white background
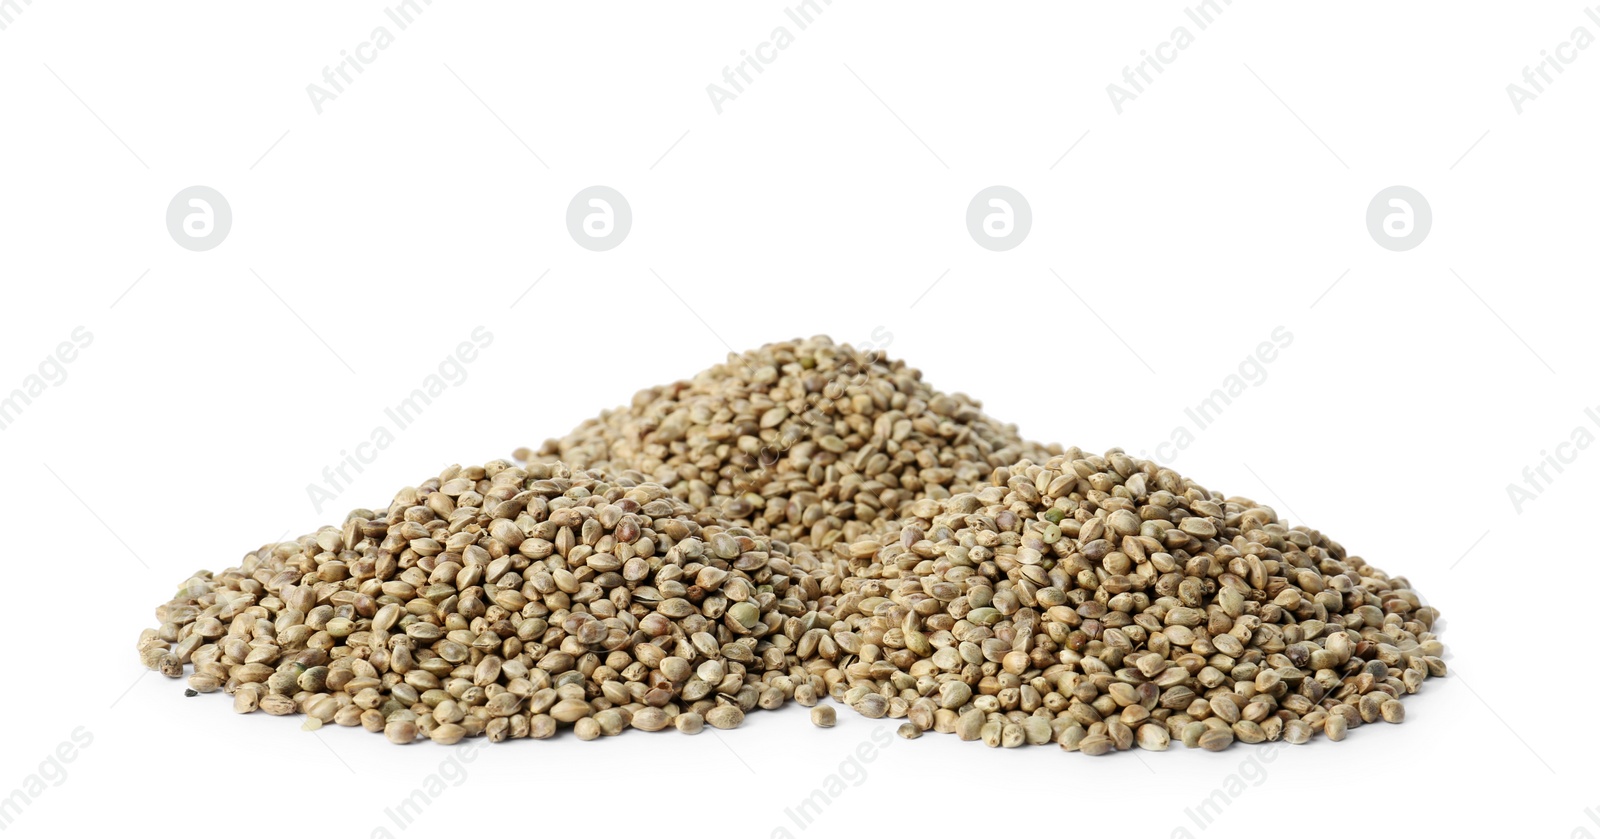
x: 368, y: 240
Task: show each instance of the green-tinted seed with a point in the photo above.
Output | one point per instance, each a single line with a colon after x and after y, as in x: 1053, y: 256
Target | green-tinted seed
x: 1216, y: 739
x: 1095, y: 745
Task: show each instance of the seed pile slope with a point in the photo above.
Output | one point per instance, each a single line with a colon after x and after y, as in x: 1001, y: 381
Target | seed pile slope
x: 1106, y: 602
x: 807, y: 440
x: 505, y: 601
x: 804, y: 521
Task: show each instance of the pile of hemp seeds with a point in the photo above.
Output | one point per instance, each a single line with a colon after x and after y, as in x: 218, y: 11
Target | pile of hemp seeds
x: 808, y: 521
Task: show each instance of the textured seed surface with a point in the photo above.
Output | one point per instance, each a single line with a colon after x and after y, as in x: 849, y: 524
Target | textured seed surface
x: 809, y: 521
x: 1216, y: 739
x: 507, y: 601
x: 1052, y: 575
x: 802, y: 404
